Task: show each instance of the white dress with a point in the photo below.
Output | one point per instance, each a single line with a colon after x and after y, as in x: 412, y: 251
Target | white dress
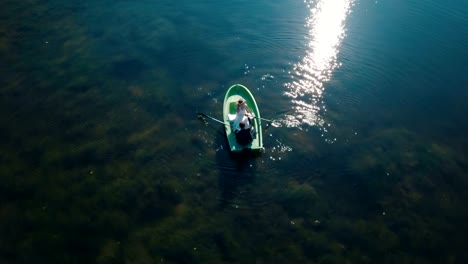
x: 240, y: 117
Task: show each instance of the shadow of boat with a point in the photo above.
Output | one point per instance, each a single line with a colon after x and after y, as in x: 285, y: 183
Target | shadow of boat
x: 235, y: 170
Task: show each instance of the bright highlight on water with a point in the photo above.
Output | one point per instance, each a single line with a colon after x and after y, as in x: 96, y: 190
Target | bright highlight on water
x: 103, y: 159
x: 326, y: 29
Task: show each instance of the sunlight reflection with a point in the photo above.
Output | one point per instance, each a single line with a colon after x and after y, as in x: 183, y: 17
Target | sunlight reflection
x: 326, y: 29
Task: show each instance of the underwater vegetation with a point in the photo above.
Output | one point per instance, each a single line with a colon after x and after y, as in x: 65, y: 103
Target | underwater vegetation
x: 102, y: 159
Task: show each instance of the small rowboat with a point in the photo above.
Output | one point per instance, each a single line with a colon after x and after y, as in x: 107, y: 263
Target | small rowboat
x: 233, y: 94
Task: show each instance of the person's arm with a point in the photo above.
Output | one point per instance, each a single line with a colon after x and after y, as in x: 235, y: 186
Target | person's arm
x: 249, y: 111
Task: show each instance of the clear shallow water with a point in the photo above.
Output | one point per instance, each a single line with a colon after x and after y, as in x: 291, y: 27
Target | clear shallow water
x: 104, y: 160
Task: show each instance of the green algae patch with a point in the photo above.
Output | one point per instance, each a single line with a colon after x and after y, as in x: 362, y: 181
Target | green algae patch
x: 110, y: 252
x: 298, y: 199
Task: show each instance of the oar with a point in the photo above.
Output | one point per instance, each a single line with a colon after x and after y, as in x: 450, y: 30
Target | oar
x: 221, y: 122
x: 264, y: 119
x: 210, y: 117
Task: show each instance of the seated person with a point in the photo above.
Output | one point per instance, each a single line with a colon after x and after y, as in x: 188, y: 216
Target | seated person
x: 241, y: 122
x: 242, y: 108
x: 244, y: 135
x: 243, y: 113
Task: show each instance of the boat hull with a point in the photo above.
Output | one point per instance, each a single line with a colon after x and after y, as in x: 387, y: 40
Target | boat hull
x: 233, y: 94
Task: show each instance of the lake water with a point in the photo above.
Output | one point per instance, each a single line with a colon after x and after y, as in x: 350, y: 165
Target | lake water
x: 104, y: 160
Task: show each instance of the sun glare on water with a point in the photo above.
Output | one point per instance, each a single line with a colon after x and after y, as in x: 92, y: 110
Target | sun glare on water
x: 326, y: 29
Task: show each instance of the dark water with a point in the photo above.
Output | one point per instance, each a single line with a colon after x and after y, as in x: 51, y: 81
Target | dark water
x: 103, y: 159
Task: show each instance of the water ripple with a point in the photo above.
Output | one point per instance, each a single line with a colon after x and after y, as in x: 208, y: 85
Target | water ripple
x: 326, y: 29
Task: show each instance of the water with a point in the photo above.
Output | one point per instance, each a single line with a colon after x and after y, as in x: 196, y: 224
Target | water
x: 103, y: 159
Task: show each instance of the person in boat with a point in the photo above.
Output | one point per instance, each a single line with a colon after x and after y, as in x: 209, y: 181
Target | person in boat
x: 242, y: 108
x: 244, y: 128
x: 244, y: 134
x: 243, y: 115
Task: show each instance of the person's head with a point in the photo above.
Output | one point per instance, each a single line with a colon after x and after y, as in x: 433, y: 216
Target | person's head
x: 241, y: 101
x: 242, y: 125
